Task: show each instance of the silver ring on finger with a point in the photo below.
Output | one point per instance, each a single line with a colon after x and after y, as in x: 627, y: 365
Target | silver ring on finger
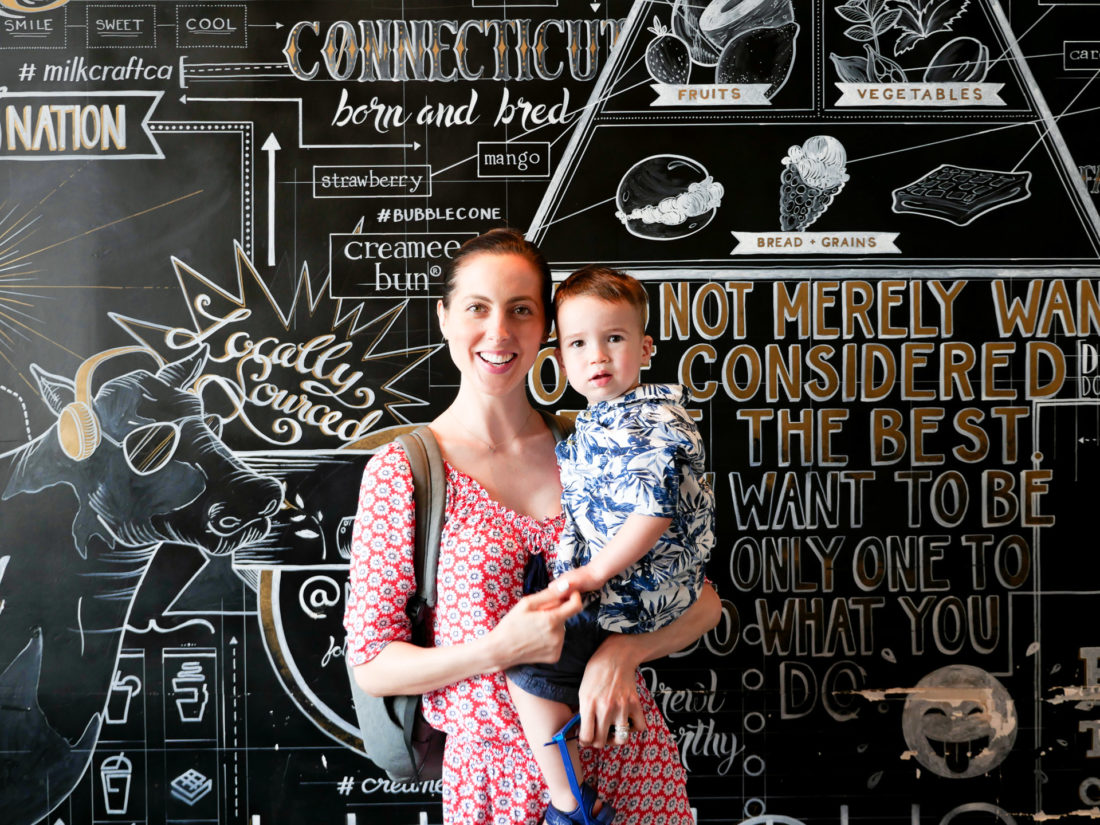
x: 621, y: 732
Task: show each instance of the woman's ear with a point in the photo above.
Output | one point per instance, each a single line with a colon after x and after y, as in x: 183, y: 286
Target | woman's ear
x: 441, y: 316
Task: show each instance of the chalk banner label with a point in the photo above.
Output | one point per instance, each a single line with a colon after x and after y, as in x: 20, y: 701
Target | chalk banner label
x: 77, y: 125
x: 710, y: 94
x: 920, y: 94
x: 815, y: 243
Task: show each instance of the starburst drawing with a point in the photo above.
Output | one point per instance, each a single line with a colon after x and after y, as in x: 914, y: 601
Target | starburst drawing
x: 16, y: 273
x: 295, y: 375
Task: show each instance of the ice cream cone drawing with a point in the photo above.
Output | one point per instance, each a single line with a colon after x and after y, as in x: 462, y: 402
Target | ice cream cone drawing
x: 813, y: 174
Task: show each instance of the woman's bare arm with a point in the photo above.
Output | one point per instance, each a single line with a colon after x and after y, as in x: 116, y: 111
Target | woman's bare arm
x: 608, y: 692
x: 532, y: 631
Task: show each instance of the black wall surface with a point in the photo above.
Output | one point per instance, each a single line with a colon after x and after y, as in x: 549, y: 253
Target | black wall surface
x: 869, y: 237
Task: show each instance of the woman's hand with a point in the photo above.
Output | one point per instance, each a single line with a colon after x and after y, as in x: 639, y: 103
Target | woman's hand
x: 608, y: 693
x: 533, y: 630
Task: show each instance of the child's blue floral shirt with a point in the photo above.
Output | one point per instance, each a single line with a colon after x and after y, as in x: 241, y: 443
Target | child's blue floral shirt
x: 638, y: 453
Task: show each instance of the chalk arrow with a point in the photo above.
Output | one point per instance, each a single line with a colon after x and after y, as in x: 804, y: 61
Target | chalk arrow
x: 595, y: 6
x: 265, y: 25
x: 271, y: 146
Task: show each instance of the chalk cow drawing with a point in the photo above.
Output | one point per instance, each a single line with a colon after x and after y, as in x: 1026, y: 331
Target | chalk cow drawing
x: 144, y: 468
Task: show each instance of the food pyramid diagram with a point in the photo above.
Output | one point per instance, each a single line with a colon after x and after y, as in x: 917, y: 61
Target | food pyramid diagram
x: 751, y: 133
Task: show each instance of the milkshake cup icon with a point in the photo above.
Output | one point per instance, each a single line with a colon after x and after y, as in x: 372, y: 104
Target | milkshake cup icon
x: 114, y: 775
x: 123, y: 690
x: 189, y: 685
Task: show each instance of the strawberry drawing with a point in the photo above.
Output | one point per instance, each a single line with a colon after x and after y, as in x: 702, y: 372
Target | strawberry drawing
x: 666, y: 56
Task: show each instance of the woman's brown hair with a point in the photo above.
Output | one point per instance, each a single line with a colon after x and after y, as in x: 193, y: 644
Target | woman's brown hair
x: 502, y: 242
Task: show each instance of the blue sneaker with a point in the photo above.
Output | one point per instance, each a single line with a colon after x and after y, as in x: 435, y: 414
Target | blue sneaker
x: 582, y: 814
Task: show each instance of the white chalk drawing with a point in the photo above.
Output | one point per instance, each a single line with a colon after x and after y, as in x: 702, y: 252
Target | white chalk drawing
x: 908, y: 22
x: 755, y: 40
x: 919, y: 19
x: 191, y: 786
x: 667, y: 196
x: 114, y: 775
x: 813, y: 175
x: 100, y: 549
x: 960, y: 194
x: 122, y: 693
x: 723, y: 21
x: 962, y: 60
x: 685, y: 25
x: 746, y: 41
x: 959, y: 722
x: 760, y: 55
x: 191, y: 692
x: 666, y: 55
x: 344, y: 535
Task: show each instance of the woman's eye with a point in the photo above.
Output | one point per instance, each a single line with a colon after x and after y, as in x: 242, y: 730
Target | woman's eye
x: 524, y: 311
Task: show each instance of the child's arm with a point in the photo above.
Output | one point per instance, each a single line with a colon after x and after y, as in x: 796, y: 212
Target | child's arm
x: 635, y: 538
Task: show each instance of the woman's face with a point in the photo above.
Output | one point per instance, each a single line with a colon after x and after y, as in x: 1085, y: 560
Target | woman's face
x: 495, y: 321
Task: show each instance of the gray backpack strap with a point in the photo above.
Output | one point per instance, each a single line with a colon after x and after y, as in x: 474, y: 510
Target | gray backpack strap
x: 429, y: 498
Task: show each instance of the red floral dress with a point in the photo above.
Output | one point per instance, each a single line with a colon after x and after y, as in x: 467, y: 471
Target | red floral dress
x: 489, y: 776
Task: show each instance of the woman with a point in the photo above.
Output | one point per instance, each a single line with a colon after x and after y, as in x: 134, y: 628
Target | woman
x: 503, y: 504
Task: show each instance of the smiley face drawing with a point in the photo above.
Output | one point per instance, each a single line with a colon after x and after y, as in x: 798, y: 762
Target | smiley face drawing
x: 959, y: 722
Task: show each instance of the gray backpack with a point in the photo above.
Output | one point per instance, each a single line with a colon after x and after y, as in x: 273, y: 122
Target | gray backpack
x: 396, y: 737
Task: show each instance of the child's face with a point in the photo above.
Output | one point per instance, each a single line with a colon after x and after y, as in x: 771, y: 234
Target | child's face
x: 601, y: 346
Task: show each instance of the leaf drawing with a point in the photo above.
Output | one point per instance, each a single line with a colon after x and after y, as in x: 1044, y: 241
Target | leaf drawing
x: 870, y: 20
x: 853, y: 13
x: 919, y: 19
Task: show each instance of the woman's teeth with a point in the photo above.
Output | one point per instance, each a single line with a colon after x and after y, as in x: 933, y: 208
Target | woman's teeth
x: 496, y: 359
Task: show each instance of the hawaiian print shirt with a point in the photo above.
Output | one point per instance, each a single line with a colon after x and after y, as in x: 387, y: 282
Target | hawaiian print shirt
x: 638, y: 453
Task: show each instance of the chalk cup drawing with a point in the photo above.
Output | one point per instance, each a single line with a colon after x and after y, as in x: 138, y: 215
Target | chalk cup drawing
x: 667, y: 196
x: 114, y: 775
x: 813, y: 175
x: 123, y: 690
x: 190, y: 691
x: 960, y: 194
x: 959, y: 722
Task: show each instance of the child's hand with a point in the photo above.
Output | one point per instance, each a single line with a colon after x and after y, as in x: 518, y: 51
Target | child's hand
x: 581, y: 580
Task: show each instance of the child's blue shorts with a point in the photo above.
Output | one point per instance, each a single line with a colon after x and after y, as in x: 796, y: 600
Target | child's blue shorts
x: 561, y: 681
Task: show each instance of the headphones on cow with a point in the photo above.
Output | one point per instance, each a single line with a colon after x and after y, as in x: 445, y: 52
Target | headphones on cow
x: 78, y: 429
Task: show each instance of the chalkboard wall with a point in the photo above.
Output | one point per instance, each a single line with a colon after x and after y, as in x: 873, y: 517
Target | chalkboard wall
x: 869, y: 238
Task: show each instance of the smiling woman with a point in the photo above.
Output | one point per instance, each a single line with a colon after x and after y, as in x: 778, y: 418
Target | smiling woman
x: 503, y: 508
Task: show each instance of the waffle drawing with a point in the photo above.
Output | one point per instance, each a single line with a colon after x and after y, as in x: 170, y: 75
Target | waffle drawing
x: 960, y: 194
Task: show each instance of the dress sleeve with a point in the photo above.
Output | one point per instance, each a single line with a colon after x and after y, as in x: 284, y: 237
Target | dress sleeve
x: 381, y: 572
